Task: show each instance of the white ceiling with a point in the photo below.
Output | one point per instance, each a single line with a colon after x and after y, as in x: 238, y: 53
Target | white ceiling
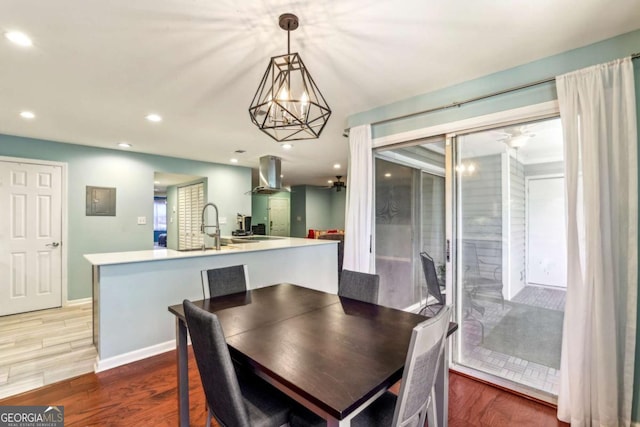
x: 97, y: 68
x: 543, y: 142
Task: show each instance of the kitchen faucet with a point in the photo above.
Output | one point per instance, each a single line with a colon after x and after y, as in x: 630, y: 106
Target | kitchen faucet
x: 203, y: 227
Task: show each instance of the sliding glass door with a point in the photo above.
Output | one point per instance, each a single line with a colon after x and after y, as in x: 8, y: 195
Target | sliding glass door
x: 488, y: 207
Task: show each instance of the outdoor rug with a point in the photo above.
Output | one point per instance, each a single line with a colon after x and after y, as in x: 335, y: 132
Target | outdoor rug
x: 530, y: 333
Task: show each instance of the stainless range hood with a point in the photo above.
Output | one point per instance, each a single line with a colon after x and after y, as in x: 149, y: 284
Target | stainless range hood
x: 269, y: 175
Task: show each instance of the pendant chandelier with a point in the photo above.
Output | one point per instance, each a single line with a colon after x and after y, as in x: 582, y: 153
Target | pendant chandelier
x: 288, y: 105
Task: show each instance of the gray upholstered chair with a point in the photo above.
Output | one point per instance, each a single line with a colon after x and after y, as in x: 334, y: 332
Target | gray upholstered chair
x: 415, y: 402
x: 224, y: 281
x: 234, y: 401
x: 360, y: 286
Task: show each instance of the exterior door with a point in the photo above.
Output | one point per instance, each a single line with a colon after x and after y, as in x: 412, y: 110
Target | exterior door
x: 279, y: 217
x: 30, y: 237
x: 546, y: 232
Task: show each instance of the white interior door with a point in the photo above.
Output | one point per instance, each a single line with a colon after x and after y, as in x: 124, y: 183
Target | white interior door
x: 279, y: 217
x: 547, y: 246
x: 30, y: 237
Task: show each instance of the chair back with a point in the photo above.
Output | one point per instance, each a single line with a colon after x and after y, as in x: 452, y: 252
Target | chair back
x: 360, y: 286
x: 420, y: 370
x: 429, y: 270
x: 219, y: 380
x: 470, y: 260
x: 224, y: 281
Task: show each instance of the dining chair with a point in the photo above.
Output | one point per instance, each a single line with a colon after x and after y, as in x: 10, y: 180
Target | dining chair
x: 360, y: 286
x: 415, y: 402
x: 434, y: 288
x: 224, y: 280
x: 478, y: 283
x: 234, y: 401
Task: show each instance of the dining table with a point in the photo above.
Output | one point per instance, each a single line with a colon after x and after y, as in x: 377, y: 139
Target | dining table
x: 331, y: 354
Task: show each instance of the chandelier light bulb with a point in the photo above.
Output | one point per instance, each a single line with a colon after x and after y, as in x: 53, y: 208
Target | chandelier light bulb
x: 304, y: 100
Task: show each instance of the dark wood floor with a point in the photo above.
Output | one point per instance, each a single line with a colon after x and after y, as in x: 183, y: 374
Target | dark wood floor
x: 144, y: 394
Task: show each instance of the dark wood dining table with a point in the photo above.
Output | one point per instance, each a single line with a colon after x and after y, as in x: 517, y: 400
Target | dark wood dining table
x: 331, y: 354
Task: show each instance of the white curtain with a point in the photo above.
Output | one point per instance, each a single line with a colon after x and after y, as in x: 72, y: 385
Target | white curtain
x: 597, y: 108
x: 359, y: 206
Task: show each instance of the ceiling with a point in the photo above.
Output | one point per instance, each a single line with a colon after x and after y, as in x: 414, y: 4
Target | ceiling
x: 97, y: 68
x: 541, y: 142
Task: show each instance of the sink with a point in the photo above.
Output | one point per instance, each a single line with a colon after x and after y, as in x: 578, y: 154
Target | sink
x: 259, y: 237
x: 249, y: 239
x: 223, y: 247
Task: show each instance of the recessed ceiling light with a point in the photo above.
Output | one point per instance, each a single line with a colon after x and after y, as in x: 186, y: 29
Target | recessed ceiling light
x: 16, y: 37
x: 156, y: 182
x: 336, y: 166
x: 154, y: 118
x: 286, y: 146
x: 281, y: 176
x: 387, y: 175
x: 330, y: 181
x: 233, y: 160
x: 27, y: 115
x: 124, y: 145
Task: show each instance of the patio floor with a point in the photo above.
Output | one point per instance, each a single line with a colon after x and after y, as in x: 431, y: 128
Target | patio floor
x: 506, y: 365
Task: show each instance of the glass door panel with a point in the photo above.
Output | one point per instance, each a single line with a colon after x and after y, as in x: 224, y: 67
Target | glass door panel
x: 410, y: 218
x: 511, y: 326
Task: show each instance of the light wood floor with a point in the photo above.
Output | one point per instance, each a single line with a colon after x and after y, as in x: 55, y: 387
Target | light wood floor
x: 44, y: 347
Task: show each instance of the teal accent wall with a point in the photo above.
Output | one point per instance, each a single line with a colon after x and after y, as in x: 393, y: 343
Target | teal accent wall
x: 132, y: 174
x: 316, y: 207
x: 604, y: 51
x: 338, y: 208
x: 260, y: 208
x: 298, y: 207
x: 172, y: 217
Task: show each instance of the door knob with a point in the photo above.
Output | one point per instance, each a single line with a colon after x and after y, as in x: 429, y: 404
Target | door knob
x: 53, y: 245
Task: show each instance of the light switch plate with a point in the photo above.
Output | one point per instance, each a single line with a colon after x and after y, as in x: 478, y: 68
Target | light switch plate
x: 142, y: 220
x: 223, y: 220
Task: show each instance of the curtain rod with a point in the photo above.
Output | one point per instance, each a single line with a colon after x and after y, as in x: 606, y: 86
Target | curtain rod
x: 470, y: 100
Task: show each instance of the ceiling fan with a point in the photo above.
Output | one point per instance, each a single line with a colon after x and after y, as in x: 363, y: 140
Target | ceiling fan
x: 517, y: 136
x: 338, y: 184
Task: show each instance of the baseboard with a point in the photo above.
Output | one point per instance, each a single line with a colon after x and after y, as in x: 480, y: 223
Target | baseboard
x: 133, y: 356
x: 78, y: 301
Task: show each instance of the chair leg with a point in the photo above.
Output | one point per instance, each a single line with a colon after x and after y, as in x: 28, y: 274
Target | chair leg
x: 209, y: 415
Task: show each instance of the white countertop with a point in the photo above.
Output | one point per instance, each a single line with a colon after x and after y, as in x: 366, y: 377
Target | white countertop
x: 169, y: 254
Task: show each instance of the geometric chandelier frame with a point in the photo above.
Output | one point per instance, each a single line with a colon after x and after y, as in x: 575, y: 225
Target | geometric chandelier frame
x: 288, y: 105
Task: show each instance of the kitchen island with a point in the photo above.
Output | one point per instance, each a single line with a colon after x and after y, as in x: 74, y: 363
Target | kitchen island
x: 132, y: 290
